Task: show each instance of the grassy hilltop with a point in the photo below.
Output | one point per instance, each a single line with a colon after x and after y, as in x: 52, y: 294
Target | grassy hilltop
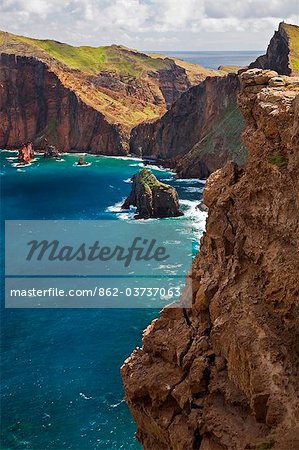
x: 127, y: 86
x: 292, y: 32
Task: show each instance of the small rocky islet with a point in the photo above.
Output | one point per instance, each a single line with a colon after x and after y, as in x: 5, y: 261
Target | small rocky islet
x: 152, y: 198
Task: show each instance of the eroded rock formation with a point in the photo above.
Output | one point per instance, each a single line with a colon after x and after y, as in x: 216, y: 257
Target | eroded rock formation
x: 200, y: 132
x: 51, y: 152
x: 26, y: 154
x: 282, y: 52
x: 152, y: 198
x: 83, y: 98
x: 34, y: 104
x: 224, y: 374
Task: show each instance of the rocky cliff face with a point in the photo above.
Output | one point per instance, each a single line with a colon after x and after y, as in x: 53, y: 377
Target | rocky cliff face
x: 152, y: 198
x: 35, y: 106
x: 283, y: 51
x: 204, y: 121
x: 224, y: 374
x: 83, y: 98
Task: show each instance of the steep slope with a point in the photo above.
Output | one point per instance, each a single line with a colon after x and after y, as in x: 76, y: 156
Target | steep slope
x: 223, y: 143
x: 283, y: 51
x: 122, y: 86
x: 204, y: 120
x: 224, y: 374
x: 36, y: 106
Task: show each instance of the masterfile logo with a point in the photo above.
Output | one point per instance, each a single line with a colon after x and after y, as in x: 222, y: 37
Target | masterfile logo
x: 92, y: 264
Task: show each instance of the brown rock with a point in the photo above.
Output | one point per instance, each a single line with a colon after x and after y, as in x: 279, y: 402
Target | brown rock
x: 210, y: 126
x: 26, y: 154
x: 254, y: 77
x: 152, y: 198
x: 235, y: 381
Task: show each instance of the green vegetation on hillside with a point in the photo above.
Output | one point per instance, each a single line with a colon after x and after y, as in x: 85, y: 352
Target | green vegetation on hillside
x: 293, y: 34
x: 95, y: 59
x: 226, y: 133
x: 115, y: 80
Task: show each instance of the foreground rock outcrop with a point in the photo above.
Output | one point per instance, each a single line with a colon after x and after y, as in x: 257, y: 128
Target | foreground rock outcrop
x: 282, y: 52
x: 224, y: 374
x: 200, y: 132
x: 152, y: 198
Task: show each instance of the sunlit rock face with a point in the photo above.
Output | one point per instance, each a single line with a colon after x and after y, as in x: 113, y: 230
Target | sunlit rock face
x: 224, y: 374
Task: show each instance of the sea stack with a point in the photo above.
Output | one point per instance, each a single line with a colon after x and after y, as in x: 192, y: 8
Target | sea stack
x: 81, y: 161
x: 282, y: 52
x: 152, y: 198
x: 51, y: 152
x: 26, y: 154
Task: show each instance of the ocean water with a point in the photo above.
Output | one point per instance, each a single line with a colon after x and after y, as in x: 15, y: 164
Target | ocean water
x: 61, y: 386
x: 213, y: 60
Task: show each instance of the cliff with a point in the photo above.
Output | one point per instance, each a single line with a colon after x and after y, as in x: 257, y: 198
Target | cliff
x: 204, y: 121
x: 36, y: 106
x: 224, y: 374
x: 152, y: 198
x: 112, y: 88
x: 283, y: 51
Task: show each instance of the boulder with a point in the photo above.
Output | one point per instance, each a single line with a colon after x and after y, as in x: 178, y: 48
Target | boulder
x: 51, y: 152
x: 253, y: 77
x: 152, y: 198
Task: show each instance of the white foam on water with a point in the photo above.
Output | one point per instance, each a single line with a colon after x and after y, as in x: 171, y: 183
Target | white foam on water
x: 117, y: 207
x: 198, y: 217
x: 128, y: 180
x: 123, y: 214
x: 125, y: 158
x: 82, y: 165
x: 19, y: 165
x: 60, y: 160
x: 193, y: 189
x: 157, y: 168
x: 136, y: 165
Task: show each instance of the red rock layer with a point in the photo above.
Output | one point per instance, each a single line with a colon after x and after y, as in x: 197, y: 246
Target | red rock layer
x: 36, y: 107
x: 26, y: 154
x: 224, y: 374
x: 190, y: 121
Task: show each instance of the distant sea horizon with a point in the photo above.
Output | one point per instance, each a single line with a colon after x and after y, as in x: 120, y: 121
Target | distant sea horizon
x: 214, y: 59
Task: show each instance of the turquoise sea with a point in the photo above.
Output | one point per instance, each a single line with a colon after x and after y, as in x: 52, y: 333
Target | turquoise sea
x: 61, y: 387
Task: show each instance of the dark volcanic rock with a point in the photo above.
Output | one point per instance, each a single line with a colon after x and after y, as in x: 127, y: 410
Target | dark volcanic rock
x: 81, y: 162
x: 281, y: 53
x: 51, y: 152
x: 152, y: 198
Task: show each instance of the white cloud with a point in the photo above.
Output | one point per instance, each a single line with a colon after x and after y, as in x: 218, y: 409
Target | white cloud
x: 151, y: 24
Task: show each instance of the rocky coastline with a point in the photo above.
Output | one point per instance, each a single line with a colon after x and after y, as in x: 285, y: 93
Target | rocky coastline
x: 223, y: 374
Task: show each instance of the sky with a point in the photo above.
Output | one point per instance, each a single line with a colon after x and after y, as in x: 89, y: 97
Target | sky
x: 151, y: 24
